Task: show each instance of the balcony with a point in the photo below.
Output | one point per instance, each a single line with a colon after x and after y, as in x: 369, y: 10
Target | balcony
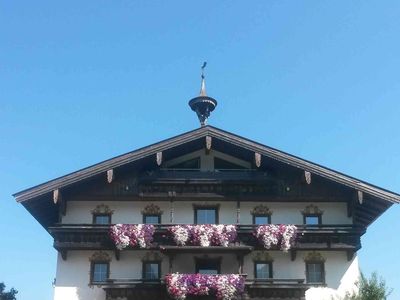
x: 254, y: 288
x: 310, y: 237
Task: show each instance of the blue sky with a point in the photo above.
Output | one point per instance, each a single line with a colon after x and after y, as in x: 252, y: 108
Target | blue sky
x: 83, y: 81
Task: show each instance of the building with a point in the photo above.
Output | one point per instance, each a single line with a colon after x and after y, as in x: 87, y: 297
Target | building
x: 205, y: 176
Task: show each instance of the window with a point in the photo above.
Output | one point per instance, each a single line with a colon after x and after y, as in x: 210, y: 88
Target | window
x: 221, y: 164
x: 263, y: 270
x: 312, y: 219
x: 188, y: 164
x: 208, y: 266
x: 151, y: 270
x: 206, y: 215
x: 261, y: 219
x: 99, y: 272
x: 151, y: 219
x: 102, y: 219
x: 315, y: 272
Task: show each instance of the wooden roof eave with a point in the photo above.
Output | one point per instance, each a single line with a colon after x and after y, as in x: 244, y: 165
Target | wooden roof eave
x: 194, y: 135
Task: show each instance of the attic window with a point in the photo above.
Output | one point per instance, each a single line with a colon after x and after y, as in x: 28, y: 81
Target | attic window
x: 221, y: 164
x: 188, y: 164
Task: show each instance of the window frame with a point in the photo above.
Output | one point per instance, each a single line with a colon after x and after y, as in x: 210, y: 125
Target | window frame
x: 213, y: 207
x: 144, y: 269
x: 261, y: 215
x: 319, y: 216
x: 200, y: 260
x: 109, y: 215
x: 269, y: 263
x: 151, y: 215
x: 92, y: 264
x: 322, y: 271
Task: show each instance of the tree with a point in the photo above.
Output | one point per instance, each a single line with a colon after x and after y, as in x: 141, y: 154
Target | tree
x: 7, y: 295
x: 373, y: 288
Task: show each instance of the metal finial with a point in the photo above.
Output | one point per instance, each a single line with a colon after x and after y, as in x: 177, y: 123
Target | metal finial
x: 202, y: 69
x: 203, y: 81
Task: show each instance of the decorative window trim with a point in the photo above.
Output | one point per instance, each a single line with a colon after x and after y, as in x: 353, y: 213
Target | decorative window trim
x: 152, y: 256
x: 102, y: 209
x: 312, y: 211
x: 99, y: 257
x: 152, y: 209
x: 269, y: 263
x: 262, y: 256
x: 206, y: 206
x: 315, y: 258
x: 144, y: 262
x: 261, y: 210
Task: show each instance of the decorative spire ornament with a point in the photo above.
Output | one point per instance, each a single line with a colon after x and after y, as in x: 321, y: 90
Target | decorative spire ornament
x: 203, y: 105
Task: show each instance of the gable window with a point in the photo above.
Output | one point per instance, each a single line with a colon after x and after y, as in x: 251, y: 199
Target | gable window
x: 99, y: 267
x: 262, y: 270
x: 206, y: 215
x: 188, y: 164
x: 151, y: 270
x: 312, y: 215
x: 221, y: 164
x: 208, y: 266
x: 152, y: 214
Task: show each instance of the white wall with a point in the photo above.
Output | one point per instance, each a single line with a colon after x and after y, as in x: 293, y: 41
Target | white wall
x: 131, y: 212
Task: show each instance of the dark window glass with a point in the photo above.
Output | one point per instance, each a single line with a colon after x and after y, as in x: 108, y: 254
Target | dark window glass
x: 102, y: 219
x: 259, y: 220
x: 263, y: 270
x: 210, y: 267
x: 312, y: 220
x: 206, y: 216
x: 100, y: 272
x: 189, y: 164
x: 151, y: 219
x: 221, y: 164
x: 151, y: 270
x: 315, y: 272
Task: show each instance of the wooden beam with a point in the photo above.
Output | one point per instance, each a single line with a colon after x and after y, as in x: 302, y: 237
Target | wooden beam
x: 159, y: 158
x: 360, y: 197
x: 208, y: 144
x: 238, y: 211
x: 257, y: 159
x: 117, y: 253
x: 293, y: 254
x: 110, y: 175
x: 56, y: 196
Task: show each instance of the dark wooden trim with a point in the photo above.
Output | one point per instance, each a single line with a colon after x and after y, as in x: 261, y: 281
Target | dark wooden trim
x: 269, y: 263
x: 92, y: 263
x: 158, y: 262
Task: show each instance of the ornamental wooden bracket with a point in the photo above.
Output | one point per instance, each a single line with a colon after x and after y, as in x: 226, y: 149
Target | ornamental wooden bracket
x: 117, y: 254
x: 56, y: 196
x: 110, y: 175
x: 293, y: 254
x: 257, y: 159
x: 159, y: 158
x: 63, y: 254
x: 208, y: 144
x: 307, y: 176
x: 360, y: 197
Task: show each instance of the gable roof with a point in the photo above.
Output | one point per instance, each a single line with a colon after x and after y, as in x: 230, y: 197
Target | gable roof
x: 197, y: 134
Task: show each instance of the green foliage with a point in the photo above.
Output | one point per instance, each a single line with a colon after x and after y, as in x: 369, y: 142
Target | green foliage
x: 10, y: 295
x: 373, y: 288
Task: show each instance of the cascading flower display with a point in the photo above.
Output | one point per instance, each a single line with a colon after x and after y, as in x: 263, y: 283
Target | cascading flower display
x: 282, y: 236
x: 225, y: 287
x: 204, y: 235
x: 124, y: 235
